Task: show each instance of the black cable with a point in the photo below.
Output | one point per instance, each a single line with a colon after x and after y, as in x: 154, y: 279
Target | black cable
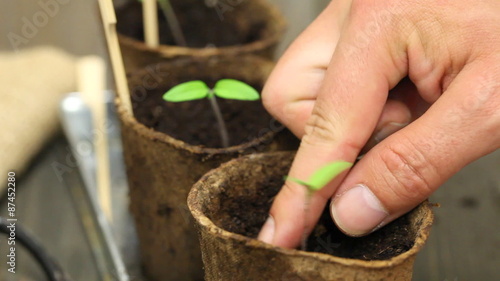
x: 49, y: 265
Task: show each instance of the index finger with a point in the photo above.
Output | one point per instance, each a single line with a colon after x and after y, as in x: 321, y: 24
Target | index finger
x: 345, y: 114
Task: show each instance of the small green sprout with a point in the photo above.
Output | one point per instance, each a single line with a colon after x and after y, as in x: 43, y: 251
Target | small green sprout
x: 324, y: 175
x: 316, y: 182
x: 225, y: 88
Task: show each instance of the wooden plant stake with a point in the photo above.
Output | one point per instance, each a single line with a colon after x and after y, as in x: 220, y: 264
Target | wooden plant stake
x: 91, y: 84
x: 109, y: 25
x: 150, y: 23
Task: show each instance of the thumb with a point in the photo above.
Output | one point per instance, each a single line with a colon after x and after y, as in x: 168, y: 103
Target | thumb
x: 406, y: 168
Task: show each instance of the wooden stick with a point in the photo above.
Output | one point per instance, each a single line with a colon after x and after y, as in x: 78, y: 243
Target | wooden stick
x: 150, y: 22
x: 109, y: 23
x: 91, y: 84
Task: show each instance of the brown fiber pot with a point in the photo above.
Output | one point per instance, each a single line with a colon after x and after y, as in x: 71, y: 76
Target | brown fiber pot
x: 161, y: 169
x: 232, y: 28
x: 231, y: 203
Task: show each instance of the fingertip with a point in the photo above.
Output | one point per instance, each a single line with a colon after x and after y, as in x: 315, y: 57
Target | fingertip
x: 286, y: 223
x: 266, y: 234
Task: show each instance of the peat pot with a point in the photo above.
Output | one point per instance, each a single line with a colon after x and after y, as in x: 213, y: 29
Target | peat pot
x: 169, y: 146
x: 231, y: 203
x: 227, y: 27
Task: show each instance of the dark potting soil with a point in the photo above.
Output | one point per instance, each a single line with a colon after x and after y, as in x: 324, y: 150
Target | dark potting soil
x: 202, y: 26
x: 246, y: 215
x: 194, y: 122
x: 385, y: 243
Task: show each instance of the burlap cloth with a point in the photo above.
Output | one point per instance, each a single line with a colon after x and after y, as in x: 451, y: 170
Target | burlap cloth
x: 33, y: 83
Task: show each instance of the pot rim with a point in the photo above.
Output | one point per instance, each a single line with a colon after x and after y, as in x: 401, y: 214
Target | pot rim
x: 168, y: 50
x: 195, y: 208
x: 147, y: 132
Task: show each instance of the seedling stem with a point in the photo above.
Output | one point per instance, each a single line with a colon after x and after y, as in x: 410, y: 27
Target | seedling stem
x: 173, y: 22
x: 220, y: 121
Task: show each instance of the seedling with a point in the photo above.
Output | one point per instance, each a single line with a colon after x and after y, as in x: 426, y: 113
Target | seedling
x: 316, y: 182
x: 225, y: 88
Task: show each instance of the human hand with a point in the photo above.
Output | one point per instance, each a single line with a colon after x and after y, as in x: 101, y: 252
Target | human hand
x: 331, y: 89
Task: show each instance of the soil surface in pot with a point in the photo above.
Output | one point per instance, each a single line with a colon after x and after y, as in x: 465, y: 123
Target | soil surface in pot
x: 194, y: 122
x: 246, y: 215
x: 202, y: 26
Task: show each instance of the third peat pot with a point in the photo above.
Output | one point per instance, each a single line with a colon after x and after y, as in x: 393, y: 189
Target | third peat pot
x: 228, y: 28
x: 231, y: 203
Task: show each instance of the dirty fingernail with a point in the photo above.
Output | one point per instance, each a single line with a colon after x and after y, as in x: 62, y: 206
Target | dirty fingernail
x: 358, y: 211
x: 388, y: 130
x: 267, y: 232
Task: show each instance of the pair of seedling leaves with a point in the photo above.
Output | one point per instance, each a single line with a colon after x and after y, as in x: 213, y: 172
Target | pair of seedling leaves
x: 225, y: 88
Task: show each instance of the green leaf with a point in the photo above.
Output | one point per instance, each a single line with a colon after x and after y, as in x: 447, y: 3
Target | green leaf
x: 235, y: 90
x: 327, y: 173
x: 323, y: 176
x: 192, y: 90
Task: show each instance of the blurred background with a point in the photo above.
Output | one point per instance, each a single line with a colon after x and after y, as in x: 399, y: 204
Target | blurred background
x: 37, y: 70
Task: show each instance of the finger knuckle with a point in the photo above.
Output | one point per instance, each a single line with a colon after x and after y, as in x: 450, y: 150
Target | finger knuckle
x: 406, y: 171
x: 319, y: 128
x: 325, y: 129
